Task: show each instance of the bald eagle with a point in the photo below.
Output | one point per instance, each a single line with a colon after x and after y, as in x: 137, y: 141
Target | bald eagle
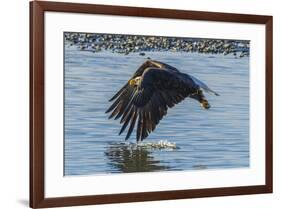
x: 146, y: 97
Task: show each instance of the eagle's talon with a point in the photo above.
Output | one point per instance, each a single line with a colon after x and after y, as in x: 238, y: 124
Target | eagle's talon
x: 205, y: 104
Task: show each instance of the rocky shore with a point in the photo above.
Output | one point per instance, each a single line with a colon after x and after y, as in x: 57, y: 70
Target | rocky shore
x: 126, y: 44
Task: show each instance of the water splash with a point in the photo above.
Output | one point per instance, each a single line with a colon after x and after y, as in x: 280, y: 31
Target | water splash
x: 162, y: 144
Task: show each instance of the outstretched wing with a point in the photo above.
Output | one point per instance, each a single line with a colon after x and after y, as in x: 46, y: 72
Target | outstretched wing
x: 146, y: 104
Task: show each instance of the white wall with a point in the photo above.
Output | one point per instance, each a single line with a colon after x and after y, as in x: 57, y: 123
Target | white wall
x: 14, y: 103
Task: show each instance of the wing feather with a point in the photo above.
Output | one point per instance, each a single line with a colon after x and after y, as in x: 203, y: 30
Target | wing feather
x: 118, y: 99
x: 132, y: 124
x: 127, y: 120
x: 139, y: 126
x: 119, y: 92
x: 124, y: 104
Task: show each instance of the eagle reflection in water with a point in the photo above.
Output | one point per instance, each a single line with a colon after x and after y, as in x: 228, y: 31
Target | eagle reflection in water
x: 129, y: 158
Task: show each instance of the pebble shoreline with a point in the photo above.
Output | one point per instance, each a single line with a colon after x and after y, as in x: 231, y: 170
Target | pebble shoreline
x: 125, y: 44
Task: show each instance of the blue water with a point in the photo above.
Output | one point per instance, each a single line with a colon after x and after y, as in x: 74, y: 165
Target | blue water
x: 217, y: 138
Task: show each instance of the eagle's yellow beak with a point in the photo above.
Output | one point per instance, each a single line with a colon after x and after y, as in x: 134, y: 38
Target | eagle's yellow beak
x: 132, y: 82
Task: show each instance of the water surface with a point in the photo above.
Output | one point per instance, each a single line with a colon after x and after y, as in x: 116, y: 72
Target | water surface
x: 217, y: 138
